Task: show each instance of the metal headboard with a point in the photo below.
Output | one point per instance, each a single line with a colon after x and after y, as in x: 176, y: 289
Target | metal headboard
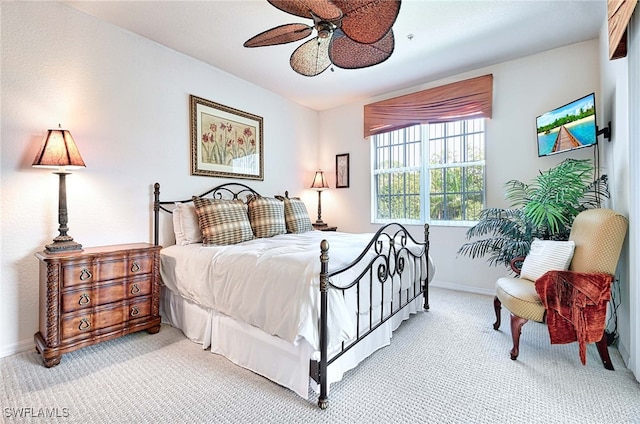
x: 231, y: 191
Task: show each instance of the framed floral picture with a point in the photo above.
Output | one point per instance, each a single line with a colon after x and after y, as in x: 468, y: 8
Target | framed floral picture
x: 225, y: 142
x: 342, y: 170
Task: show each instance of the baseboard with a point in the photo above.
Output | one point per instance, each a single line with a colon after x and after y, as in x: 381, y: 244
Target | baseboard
x: 461, y: 287
x: 19, y: 347
x: 624, y: 352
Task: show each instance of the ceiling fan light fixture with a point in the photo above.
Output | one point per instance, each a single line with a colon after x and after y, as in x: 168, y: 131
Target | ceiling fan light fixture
x: 325, y: 29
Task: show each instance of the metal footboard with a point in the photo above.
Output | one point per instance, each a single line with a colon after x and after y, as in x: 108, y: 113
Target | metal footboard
x: 391, y: 253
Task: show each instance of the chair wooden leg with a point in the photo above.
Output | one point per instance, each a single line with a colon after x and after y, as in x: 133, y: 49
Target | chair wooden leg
x: 604, y: 352
x: 497, y: 306
x: 516, y: 329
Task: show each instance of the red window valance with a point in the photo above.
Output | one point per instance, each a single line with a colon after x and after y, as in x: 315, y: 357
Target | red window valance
x: 466, y: 99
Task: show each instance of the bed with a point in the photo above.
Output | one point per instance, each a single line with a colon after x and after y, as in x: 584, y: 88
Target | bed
x: 281, y: 299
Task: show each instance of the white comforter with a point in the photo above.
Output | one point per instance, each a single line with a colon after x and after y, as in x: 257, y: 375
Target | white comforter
x: 271, y: 283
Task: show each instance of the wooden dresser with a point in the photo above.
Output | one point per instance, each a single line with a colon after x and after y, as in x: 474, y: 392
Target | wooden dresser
x: 95, y: 295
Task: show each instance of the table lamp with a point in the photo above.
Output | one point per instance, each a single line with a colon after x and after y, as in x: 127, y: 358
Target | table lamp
x: 319, y: 183
x: 59, y: 151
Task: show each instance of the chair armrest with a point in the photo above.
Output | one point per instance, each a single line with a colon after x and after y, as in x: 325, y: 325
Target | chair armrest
x: 516, y: 264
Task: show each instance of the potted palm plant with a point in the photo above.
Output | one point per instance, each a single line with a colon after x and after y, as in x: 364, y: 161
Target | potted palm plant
x: 545, y: 208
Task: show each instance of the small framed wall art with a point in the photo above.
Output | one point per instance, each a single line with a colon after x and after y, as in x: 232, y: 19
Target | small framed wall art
x: 342, y: 170
x: 225, y: 142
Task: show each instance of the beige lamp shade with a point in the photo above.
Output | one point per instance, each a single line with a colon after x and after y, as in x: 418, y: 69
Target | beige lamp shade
x: 319, y: 182
x: 58, y: 150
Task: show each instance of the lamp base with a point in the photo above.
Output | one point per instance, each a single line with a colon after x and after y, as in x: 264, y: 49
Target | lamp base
x: 319, y: 224
x: 63, y: 244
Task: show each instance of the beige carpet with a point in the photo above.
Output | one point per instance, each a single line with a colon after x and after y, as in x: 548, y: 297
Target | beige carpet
x: 444, y: 366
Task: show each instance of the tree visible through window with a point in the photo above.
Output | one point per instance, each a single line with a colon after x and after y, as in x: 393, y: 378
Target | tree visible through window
x: 450, y: 185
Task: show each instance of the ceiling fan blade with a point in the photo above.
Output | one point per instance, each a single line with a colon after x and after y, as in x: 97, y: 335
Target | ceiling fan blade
x: 280, y: 35
x: 348, y: 54
x: 311, y: 58
x: 368, y: 21
x: 324, y: 9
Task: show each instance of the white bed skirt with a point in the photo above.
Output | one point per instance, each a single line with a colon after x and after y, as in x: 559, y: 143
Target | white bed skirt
x: 249, y: 347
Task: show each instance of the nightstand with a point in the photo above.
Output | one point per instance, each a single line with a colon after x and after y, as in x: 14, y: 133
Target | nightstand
x: 324, y: 227
x: 97, y: 294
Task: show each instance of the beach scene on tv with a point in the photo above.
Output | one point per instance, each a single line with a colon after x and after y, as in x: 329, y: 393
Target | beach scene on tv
x: 568, y: 127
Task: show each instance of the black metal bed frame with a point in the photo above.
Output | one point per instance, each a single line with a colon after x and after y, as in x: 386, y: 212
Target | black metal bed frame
x: 391, y: 258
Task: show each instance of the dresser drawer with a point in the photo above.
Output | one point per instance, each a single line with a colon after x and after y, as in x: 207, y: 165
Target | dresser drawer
x: 91, y: 297
x: 76, y: 324
x: 74, y: 274
x: 129, y: 267
x: 139, y: 287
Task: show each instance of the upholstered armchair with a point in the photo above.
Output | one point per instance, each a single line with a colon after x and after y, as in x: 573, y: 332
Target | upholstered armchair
x: 591, y: 255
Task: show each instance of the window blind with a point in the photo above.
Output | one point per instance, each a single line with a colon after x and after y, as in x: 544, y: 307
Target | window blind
x: 466, y: 99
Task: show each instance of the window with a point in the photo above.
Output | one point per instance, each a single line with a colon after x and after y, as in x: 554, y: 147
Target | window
x: 449, y: 185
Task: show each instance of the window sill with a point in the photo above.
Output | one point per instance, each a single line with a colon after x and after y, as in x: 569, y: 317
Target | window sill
x: 466, y: 224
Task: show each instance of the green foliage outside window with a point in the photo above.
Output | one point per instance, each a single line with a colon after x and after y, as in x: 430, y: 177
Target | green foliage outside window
x: 455, y: 170
x: 399, y: 195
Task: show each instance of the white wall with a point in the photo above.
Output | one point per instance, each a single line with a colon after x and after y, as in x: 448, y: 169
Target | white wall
x: 125, y: 100
x: 523, y: 89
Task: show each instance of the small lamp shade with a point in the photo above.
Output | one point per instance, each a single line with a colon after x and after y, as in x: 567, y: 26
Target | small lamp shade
x: 319, y: 182
x: 58, y: 150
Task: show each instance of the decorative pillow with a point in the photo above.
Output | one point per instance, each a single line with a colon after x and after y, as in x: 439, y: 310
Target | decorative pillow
x: 547, y: 255
x: 266, y: 216
x: 296, y: 216
x: 222, y: 221
x: 185, y: 224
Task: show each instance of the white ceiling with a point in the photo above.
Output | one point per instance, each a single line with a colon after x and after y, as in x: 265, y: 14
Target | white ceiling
x: 449, y: 37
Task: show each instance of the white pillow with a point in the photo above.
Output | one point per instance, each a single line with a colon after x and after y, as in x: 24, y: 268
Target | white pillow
x: 547, y: 255
x: 185, y: 224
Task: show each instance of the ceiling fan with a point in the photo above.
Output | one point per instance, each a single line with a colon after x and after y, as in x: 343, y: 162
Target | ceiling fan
x: 350, y: 34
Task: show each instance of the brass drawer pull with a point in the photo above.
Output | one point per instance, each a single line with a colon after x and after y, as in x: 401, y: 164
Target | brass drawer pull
x: 84, y: 299
x: 84, y: 324
x: 135, y: 289
x: 135, y: 267
x: 85, y: 274
x: 135, y: 311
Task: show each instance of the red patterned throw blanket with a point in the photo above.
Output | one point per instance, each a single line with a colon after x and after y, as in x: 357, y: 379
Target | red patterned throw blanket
x: 576, y: 306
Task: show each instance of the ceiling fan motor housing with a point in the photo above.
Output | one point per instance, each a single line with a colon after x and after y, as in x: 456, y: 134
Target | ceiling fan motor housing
x: 324, y: 29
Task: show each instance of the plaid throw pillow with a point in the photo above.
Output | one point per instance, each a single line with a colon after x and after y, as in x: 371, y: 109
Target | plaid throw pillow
x: 266, y: 216
x: 296, y: 216
x: 222, y: 221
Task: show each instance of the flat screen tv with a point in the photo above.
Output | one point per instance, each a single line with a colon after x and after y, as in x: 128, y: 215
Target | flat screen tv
x: 569, y: 127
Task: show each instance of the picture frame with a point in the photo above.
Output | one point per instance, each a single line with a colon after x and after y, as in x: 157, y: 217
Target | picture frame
x: 225, y: 142
x: 342, y: 170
